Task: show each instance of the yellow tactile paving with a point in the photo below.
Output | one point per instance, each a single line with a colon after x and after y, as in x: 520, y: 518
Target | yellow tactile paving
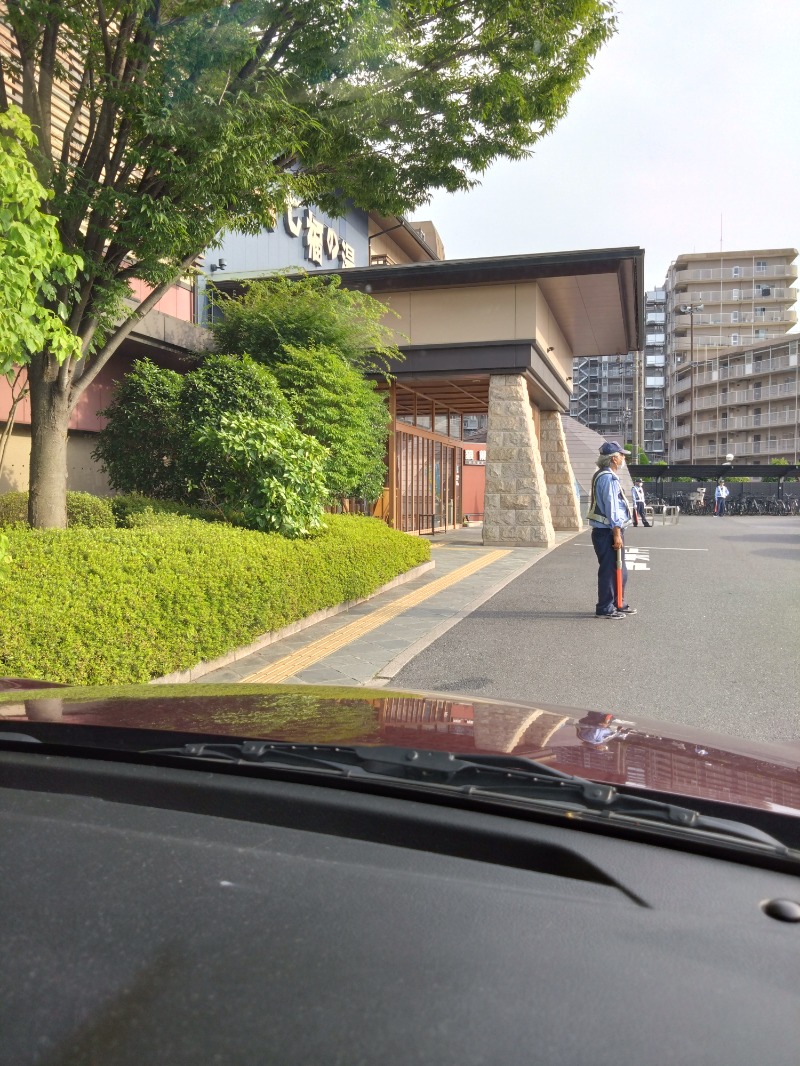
x: 290, y: 665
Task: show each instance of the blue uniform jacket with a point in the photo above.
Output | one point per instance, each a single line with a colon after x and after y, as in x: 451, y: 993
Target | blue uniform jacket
x: 611, y: 502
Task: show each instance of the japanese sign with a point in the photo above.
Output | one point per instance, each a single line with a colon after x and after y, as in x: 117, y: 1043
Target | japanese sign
x: 319, y: 240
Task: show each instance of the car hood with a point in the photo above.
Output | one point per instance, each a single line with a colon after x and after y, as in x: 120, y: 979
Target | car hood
x: 644, y: 753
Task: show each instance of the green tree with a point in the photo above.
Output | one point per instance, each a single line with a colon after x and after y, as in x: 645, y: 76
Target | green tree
x: 281, y: 312
x: 333, y: 402
x: 32, y: 260
x: 175, y: 119
x: 778, y: 461
x: 318, y: 339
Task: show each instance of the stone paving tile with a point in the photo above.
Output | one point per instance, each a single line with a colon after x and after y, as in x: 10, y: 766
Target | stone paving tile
x: 365, y: 656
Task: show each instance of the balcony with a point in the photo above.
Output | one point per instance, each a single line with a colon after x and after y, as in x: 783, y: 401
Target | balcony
x: 736, y: 423
x: 739, y: 318
x: 734, y: 295
x: 787, y: 446
x: 681, y: 385
x: 744, y: 272
x: 745, y: 337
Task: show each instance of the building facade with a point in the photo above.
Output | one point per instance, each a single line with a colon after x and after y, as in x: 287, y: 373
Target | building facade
x: 743, y: 403
x: 725, y: 314
x: 603, y: 394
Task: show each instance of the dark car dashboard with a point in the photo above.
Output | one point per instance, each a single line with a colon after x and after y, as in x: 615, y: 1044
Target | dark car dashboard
x: 162, y: 914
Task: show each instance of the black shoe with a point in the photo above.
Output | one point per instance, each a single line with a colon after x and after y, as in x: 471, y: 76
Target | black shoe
x: 611, y: 614
x: 626, y: 609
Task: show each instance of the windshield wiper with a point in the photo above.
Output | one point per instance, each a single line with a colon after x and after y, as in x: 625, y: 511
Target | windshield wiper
x: 483, y: 776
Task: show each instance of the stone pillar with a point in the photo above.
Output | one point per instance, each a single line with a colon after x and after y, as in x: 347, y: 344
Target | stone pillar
x: 516, y: 509
x: 564, y: 503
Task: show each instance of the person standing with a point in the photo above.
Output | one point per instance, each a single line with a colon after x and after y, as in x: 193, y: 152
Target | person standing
x: 609, y: 513
x: 638, y: 504
x: 721, y: 493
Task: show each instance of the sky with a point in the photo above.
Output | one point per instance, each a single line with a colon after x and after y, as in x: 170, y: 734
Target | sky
x: 684, y: 137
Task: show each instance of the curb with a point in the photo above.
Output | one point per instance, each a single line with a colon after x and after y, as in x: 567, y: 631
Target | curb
x: 207, y: 667
x: 392, y: 668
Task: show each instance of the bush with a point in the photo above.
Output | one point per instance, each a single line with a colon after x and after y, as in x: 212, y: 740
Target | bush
x: 268, y: 469
x: 138, y: 510
x: 83, y: 509
x: 107, y: 606
x: 140, y: 445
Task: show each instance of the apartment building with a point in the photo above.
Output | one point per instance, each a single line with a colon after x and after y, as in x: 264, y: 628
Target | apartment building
x: 623, y: 397
x: 654, y: 383
x: 729, y: 367
x: 603, y: 394
x: 743, y: 403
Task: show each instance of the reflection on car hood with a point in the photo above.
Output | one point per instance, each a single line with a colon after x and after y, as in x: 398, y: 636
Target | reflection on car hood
x: 643, y: 753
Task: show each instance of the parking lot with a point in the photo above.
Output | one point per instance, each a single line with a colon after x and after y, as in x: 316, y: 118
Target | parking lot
x: 714, y: 643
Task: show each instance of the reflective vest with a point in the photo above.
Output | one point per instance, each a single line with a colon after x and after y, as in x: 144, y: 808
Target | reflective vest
x: 594, y: 514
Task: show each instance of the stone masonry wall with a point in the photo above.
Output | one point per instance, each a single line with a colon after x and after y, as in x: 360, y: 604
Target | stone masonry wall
x: 516, y: 503
x: 558, y: 473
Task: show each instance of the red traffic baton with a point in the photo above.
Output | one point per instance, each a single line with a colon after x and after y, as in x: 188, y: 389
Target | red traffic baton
x: 619, y: 579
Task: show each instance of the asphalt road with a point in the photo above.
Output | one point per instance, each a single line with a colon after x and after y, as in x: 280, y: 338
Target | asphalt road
x: 715, y: 642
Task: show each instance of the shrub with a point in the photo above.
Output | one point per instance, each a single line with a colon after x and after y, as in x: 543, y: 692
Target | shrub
x: 140, y: 444
x: 83, y: 509
x: 137, y: 510
x: 268, y: 469
x: 107, y: 606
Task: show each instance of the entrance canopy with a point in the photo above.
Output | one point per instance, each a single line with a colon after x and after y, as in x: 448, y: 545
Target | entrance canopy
x: 462, y: 321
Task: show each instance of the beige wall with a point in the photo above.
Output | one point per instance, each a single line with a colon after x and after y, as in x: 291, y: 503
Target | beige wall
x: 83, y: 473
x: 384, y: 245
x: 478, y: 314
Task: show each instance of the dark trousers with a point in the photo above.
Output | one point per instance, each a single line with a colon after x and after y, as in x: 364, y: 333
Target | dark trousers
x: 607, y: 571
x: 639, y: 512
x: 720, y: 505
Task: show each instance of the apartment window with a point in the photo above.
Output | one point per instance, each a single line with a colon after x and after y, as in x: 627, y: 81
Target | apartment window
x: 734, y: 338
x: 736, y: 294
x: 761, y: 266
x: 760, y: 334
x: 760, y: 313
x: 734, y: 316
x: 737, y: 271
x: 757, y: 416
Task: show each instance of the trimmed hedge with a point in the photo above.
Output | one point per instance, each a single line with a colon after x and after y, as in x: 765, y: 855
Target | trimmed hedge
x: 121, y: 606
x: 83, y: 509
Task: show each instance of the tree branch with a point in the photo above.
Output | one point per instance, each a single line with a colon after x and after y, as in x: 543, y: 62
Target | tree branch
x: 81, y: 382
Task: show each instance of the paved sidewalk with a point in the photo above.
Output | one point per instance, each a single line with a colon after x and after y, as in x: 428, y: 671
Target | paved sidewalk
x: 371, y: 642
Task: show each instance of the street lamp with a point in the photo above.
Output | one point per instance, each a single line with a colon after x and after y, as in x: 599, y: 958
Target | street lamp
x: 691, y: 310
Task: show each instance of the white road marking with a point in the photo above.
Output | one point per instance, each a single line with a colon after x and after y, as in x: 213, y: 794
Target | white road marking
x: 637, y: 558
x: 650, y: 549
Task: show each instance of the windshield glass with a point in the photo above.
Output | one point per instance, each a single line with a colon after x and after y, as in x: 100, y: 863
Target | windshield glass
x: 404, y: 379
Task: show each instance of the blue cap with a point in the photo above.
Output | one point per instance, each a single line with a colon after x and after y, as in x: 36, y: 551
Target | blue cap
x: 613, y: 447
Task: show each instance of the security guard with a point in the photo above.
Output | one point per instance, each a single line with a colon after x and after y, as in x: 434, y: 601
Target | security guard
x: 609, y: 513
x: 638, y: 504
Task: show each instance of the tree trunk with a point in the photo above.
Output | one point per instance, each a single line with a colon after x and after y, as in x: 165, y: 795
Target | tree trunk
x: 47, y: 502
